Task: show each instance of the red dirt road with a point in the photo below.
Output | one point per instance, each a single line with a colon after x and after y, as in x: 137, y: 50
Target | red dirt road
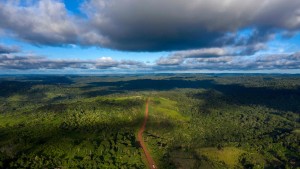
x: 151, y: 163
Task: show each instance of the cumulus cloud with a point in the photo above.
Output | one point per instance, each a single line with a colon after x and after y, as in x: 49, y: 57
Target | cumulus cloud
x: 106, y: 62
x: 179, y: 57
x: 259, y: 62
x: 150, y: 25
x: 219, y: 63
x: 172, y: 60
x: 11, y: 61
x: 45, y: 22
x: 8, y: 49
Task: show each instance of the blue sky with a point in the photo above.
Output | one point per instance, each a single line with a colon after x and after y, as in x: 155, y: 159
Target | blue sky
x: 78, y: 52
x: 63, y: 36
x: 73, y: 6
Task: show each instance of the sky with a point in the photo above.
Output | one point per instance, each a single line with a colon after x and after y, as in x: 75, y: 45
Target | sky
x: 149, y: 36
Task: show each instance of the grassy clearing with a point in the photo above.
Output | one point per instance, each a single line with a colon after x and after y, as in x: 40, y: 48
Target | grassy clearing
x: 164, y: 125
x: 168, y: 108
x: 16, y: 98
x: 297, y: 131
x: 228, y: 155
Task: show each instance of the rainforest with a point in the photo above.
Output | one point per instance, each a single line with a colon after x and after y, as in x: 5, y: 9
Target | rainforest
x: 194, y: 121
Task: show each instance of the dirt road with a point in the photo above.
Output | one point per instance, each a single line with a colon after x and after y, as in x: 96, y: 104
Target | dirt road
x: 151, y: 163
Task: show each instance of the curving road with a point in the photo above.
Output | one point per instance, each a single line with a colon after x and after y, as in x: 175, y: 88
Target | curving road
x: 151, y: 163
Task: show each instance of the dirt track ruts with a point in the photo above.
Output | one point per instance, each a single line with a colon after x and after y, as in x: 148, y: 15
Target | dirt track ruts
x: 151, y: 163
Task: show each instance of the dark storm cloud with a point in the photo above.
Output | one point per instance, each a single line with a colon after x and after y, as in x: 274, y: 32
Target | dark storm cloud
x: 150, y: 25
x: 11, y: 61
x: 8, y: 49
x: 156, y: 25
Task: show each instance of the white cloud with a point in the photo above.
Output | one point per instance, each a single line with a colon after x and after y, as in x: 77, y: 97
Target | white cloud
x: 13, y: 61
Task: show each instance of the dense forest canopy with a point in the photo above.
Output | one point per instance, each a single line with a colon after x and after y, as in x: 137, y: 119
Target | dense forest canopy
x: 195, y: 121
